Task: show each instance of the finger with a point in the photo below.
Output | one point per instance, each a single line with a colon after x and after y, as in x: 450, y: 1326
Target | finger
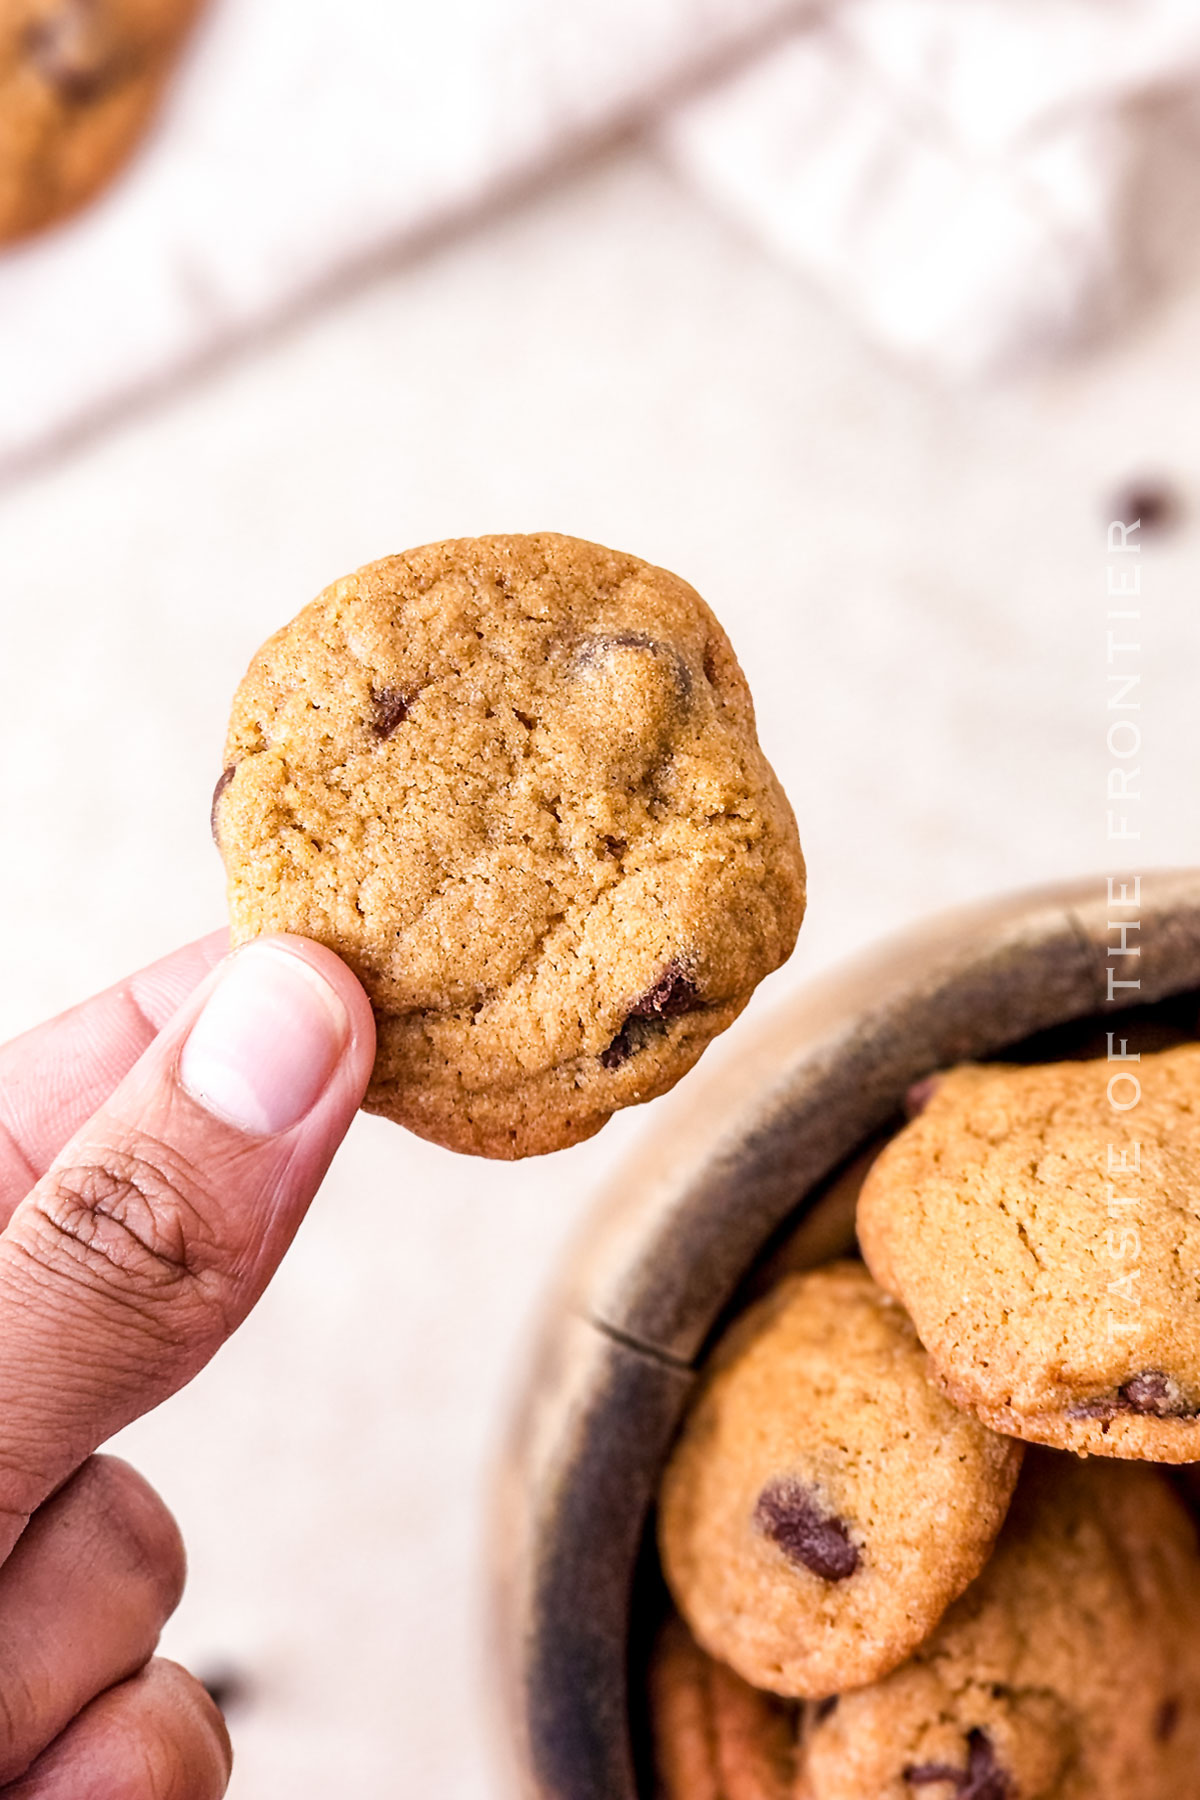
x: 154, y: 1232
x: 83, y: 1598
x: 52, y: 1079
x: 157, y: 1736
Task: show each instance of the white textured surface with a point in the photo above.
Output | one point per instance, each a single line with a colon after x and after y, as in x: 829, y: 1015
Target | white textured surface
x: 303, y: 139
x: 961, y: 175
x: 915, y: 586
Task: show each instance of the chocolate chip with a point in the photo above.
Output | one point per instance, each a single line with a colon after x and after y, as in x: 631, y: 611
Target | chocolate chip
x: 673, y: 994
x: 68, y: 50
x: 392, y: 707
x: 1156, y: 1395
x: 594, y: 649
x: 619, y: 1051
x: 1152, y: 1395
x: 982, y: 1779
x: 791, y: 1516
x: 1167, y: 1720
x: 223, y: 781
x: 1155, y: 503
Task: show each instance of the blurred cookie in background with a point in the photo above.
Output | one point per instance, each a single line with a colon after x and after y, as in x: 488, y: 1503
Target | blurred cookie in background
x: 715, y: 1737
x: 79, y: 83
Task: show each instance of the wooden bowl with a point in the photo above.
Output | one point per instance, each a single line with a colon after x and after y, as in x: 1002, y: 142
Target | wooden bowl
x: 733, y: 1160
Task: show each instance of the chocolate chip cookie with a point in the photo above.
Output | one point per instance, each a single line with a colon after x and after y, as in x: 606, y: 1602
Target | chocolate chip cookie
x: 826, y: 1503
x: 515, y: 783
x: 1042, y: 1227
x: 79, y: 80
x: 715, y: 1738
x: 1070, y: 1670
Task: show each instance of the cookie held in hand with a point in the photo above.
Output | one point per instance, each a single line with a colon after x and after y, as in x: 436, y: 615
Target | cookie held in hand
x: 79, y: 81
x: 826, y: 1503
x: 515, y: 783
x: 1047, y: 1246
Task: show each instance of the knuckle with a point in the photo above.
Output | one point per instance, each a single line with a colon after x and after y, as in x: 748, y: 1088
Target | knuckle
x: 136, y: 1523
x: 131, y: 1221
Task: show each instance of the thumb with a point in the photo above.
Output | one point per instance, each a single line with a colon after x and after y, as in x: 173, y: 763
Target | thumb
x: 152, y: 1235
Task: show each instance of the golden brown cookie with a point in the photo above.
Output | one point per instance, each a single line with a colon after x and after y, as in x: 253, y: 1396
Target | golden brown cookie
x: 714, y: 1737
x: 515, y: 782
x: 79, y: 81
x: 826, y: 1503
x: 1069, y: 1671
x: 1047, y: 1246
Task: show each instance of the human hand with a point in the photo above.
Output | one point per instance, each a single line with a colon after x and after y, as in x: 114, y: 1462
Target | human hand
x: 159, y: 1146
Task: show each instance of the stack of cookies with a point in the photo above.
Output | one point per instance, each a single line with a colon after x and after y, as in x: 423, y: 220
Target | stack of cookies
x: 883, y: 1593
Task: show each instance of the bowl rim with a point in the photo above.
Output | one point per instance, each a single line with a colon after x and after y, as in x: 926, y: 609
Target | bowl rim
x: 731, y: 1155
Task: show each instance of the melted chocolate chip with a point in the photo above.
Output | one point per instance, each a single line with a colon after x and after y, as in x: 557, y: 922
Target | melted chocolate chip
x: 593, y: 649
x: 1152, y: 1395
x: 223, y: 781
x: 791, y: 1516
x: 1167, y: 1720
x: 1155, y: 1395
x: 982, y: 1779
x: 392, y: 707
x: 68, y: 51
x: 673, y: 994
x: 633, y: 1036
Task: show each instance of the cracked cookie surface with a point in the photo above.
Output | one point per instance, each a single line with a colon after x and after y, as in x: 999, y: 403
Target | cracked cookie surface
x: 1070, y: 1670
x: 826, y: 1503
x: 79, y: 80
x: 1047, y: 1247
x: 515, y: 783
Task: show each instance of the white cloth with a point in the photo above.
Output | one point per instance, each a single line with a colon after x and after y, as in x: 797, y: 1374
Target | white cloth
x: 956, y: 172
x: 952, y: 170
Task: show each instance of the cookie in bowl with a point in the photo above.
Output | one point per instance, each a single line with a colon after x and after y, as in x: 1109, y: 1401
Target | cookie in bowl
x: 1069, y: 1671
x: 714, y: 1736
x: 1046, y: 1244
x: 825, y: 1502
x: 515, y: 782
